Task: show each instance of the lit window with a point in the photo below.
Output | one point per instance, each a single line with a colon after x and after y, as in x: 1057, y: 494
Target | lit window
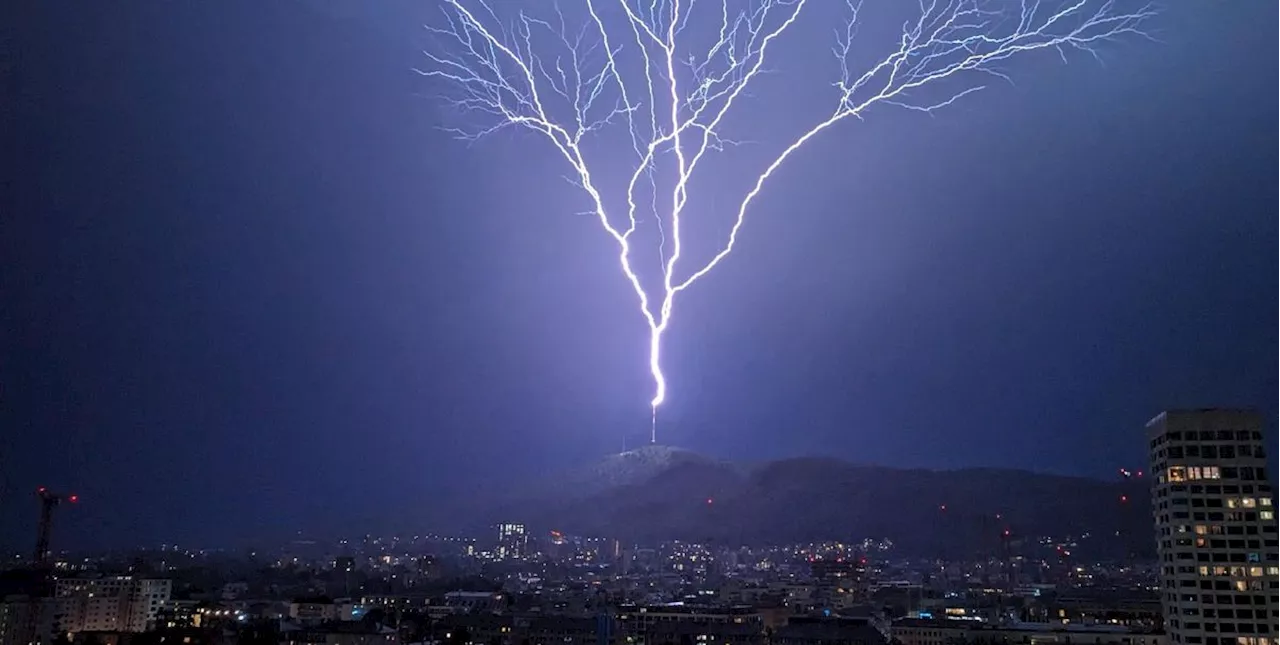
x: 1248, y: 502
x: 1255, y: 572
x: 1201, y: 529
x: 1266, y: 515
x: 1233, y: 502
x: 1200, y: 472
x: 1264, y: 501
x: 1177, y: 474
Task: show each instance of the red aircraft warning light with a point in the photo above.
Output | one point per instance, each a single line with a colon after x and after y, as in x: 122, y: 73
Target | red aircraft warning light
x: 1124, y: 498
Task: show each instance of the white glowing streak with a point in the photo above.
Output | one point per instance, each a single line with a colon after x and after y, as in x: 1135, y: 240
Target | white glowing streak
x: 497, y: 72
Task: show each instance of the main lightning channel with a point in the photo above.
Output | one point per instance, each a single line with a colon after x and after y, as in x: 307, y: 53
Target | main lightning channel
x: 498, y: 71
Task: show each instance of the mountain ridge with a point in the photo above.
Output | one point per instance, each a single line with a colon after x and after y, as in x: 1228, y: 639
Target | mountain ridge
x: 664, y: 492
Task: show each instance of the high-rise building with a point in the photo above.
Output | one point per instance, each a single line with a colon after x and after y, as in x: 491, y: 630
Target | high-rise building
x: 1215, y: 527
x: 113, y: 603
x: 512, y: 541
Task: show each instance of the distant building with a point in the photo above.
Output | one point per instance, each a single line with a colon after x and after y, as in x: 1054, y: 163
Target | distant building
x: 1215, y: 527
x: 178, y: 614
x: 828, y: 631
x: 322, y: 609
x: 513, y: 542
x: 648, y: 623
x: 750, y: 633
x: 839, y: 583
x: 1128, y: 609
x: 471, y: 602
x: 341, y: 633
x: 109, y: 604
x: 917, y: 631
x: 669, y: 627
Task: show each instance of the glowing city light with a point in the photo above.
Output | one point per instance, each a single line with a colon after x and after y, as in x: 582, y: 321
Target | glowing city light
x: 636, y: 67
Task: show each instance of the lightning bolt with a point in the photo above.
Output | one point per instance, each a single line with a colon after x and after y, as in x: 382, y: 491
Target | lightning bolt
x: 634, y: 68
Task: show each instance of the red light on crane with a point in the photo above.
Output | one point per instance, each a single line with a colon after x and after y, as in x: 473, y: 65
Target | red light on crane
x: 942, y: 507
x: 1006, y: 532
x: 710, y: 500
x: 73, y: 499
x: 1124, y: 498
x: 42, y: 490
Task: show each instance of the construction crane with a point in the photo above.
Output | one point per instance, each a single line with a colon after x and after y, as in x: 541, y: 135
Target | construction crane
x: 49, y: 502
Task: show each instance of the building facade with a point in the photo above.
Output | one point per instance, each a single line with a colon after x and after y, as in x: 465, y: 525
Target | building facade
x: 113, y: 603
x: 917, y: 631
x: 1215, y: 526
x: 513, y: 542
x: 28, y: 620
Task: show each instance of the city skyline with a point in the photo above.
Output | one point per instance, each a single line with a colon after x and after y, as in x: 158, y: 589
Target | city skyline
x: 255, y: 288
x: 1213, y: 581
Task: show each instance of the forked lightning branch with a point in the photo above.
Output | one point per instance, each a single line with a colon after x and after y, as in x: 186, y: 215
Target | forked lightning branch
x: 662, y: 75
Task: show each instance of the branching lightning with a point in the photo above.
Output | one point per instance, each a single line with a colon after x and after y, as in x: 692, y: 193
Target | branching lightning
x: 632, y: 66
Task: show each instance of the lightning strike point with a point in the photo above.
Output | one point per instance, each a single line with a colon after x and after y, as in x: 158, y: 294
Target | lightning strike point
x: 653, y: 430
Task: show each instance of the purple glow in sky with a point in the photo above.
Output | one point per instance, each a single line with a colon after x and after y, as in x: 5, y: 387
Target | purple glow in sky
x: 667, y: 74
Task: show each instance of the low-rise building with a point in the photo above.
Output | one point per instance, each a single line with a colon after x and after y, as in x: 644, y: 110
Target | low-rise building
x: 915, y: 631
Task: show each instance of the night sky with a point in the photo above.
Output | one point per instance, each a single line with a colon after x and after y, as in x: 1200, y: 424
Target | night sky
x: 249, y: 287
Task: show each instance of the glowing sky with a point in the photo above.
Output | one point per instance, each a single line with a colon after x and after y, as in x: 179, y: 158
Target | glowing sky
x: 249, y: 282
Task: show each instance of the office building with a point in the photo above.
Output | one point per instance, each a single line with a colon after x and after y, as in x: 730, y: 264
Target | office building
x: 1215, y: 527
x: 513, y: 542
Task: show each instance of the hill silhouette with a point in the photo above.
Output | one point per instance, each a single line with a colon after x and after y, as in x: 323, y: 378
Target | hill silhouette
x: 662, y: 493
